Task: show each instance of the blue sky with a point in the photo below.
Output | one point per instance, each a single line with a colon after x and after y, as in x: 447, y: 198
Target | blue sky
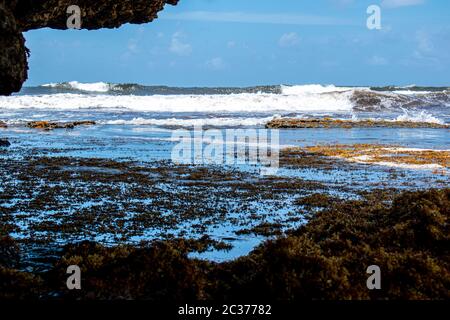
x: 256, y: 42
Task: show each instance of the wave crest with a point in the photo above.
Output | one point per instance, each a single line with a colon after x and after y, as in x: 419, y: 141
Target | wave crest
x: 78, y: 86
x: 298, y: 98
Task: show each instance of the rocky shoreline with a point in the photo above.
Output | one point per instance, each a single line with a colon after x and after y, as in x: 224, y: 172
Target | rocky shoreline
x: 46, y: 125
x: 278, y: 123
x: 295, y: 123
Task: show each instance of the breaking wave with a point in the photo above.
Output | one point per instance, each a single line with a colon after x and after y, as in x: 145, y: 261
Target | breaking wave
x: 204, y: 122
x: 422, y: 116
x: 138, y: 89
x: 264, y: 99
x: 77, y: 86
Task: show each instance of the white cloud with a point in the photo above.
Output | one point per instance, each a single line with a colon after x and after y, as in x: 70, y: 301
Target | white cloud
x: 133, y: 46
x: 289, y: 40
x: 132, y: 49
x: 378, y: 61
x: 424, y: 42
x: 342, y: 3
x: 216, y: 63
x: 401, y: 3
x: 231, y: 44
x: 178, y: 46
x: 431, y: 49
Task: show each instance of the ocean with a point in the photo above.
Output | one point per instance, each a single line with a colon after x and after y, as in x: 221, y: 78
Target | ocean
x: 133, y: 104
x: 115, y: 182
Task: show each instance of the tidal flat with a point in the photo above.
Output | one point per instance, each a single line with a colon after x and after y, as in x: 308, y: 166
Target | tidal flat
x: 115, y: 205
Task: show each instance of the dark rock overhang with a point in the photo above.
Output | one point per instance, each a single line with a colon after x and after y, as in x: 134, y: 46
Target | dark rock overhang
x: 17, y: 16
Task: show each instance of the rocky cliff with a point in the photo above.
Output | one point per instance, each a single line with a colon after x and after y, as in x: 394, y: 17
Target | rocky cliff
x: 17, y: 16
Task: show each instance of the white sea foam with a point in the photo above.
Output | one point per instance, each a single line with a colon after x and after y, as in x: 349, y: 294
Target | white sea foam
x: 421, y: 116
x: 314, y: 89
x: 231, y: 122
x: 310, y: 99
x: 245, y: 102
x: 88, y: 87
x: 401, y: 149
x: 418, y: 116
x: 411, y: 92
x: 368, y: 159
x: 409, y: 166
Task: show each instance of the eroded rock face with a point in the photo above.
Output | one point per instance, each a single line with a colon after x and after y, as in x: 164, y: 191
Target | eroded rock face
x: 13, y: 57
x: 17, y: 16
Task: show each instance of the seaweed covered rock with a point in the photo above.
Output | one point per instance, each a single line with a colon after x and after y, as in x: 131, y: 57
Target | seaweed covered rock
x: 328, y: 257
x: 296, y: 123
x: 325, y: 259
x: 159, y: 272
x: 9, y: 252
x: 46, y: 125
x: 15, y: 284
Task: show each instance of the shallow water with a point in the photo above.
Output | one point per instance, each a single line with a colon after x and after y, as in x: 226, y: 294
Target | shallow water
x: 145, y: 138
x: 150, y: 145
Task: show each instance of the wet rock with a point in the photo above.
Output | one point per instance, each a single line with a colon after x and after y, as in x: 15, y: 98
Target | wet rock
x: 46, y: 125
x: 83, y: 123
x: 4, y: 143
x: 324, y: 259
x: 13, y: 54
x: 293, y: 123
x: 376, y: 101
x: 3, y: 125
x: 9, y: 252
x: 17, y: 16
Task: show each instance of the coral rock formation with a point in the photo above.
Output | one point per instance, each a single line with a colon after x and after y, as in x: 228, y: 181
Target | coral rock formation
x: 45, y: 125
x: 17, y: 16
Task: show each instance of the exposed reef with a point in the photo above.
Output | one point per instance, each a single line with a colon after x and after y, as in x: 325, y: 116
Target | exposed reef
x: 324, y: 259
x: 45, y: 125
x: 387, y: 155
x: 294, y: 123
x: 18, y: 16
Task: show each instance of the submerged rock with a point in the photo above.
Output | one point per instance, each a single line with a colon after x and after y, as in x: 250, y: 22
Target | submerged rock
x: 4, y: 143
x: 46, y: 125
x: 17, y: 16
x: 9, y: 252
